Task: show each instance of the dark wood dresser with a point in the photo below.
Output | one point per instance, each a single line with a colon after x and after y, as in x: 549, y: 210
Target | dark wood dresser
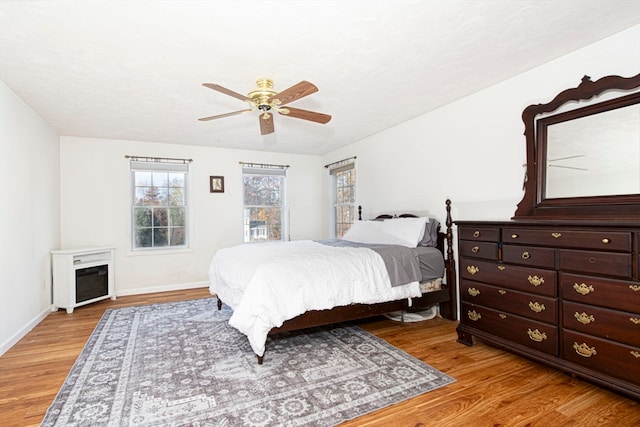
x: 565, y: 293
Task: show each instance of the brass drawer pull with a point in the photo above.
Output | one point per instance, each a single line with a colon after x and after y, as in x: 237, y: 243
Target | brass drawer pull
x: 502, y: 291
x: 526, y: 255
x: 584, y: 318
x: 473, y: 315
x: 476, y: 233
x: 635, y: 354
x: 475, y: 249
x: 472, y: 269
x: 473, y: 292
x: 536, y: 335
x: 583, y: 289
x: 606, y: 241
x: 635, y: 320
x: 514, y: 236
x: 502, y: 267
x: 584, y: 350
x: 556, y: 235
x: 535, y: 280
x: 634, y: 288
x: 502, y: 316
x: 536, y: 307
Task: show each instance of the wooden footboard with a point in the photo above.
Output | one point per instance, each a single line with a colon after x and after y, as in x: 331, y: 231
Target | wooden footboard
x: 445, y: 297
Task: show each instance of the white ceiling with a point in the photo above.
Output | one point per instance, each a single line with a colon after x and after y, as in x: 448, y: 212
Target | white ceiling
x: 133, y: 69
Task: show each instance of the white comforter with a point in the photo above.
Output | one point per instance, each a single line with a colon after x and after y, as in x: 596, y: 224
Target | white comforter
x: 268, y: 283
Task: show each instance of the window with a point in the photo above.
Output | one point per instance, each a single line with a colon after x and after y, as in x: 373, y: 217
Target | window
x: 343, y: 184
x: 264, y: 202
x: 159, y: 203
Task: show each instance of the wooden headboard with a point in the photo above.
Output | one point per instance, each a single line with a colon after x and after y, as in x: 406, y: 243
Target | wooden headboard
x: 442, y: 237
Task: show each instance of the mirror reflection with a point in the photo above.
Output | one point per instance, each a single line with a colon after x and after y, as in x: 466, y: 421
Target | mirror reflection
x: 595, y: 155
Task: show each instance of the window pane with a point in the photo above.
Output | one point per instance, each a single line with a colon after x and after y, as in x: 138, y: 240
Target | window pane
x: 176, y: 180
x: 143, y: 238
x: 176, y: 196
x: 160, y: 237
x: 177, y: 236
x: 142, y: 217
x: 177, y: 217
x: 160, y: 218
x: 161, y: 196
x: 160, y: 179
x: 143, y: 179
x: 262, y: 190
x: 141, y: 195
x: 263, y: 224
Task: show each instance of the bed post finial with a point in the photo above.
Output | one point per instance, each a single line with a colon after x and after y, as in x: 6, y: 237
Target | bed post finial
x: 359, y: 213
x: 450, y: 263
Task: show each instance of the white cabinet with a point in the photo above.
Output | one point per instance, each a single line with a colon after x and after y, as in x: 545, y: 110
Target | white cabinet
x: 82, y: 276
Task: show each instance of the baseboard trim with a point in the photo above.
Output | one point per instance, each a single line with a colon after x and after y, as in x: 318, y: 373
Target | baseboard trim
x: 164, y: 288
x: 139, y: 291
x: 24, y: 331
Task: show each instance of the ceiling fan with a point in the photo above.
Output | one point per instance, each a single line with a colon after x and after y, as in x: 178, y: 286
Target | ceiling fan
x: 265, y: 99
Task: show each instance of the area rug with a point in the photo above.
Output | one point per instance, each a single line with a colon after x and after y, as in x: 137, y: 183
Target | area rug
x: 177, y: 364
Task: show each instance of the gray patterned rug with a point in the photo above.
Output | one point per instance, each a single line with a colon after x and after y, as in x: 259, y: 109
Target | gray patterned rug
x: 181, y: 363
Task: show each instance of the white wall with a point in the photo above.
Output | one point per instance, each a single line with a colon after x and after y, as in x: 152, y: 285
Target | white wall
x: 95, y: 204
x: 472, y: 150
x: 29, y: 216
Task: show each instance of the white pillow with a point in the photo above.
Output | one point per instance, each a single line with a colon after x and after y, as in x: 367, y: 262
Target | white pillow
x: 363, y: 232
x: 407, y: 231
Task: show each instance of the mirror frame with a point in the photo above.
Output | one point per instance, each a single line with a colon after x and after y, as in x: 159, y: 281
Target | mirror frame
x: 533, y: 205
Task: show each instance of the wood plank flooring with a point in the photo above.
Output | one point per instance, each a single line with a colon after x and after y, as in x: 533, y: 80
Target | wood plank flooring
x: 493, y: 388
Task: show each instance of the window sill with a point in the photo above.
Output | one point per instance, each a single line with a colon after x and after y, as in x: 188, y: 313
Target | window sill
x: 150, y: 252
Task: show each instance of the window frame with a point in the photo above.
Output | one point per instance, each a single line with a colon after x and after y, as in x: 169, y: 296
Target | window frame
x: 250, y: 169
x: 334, y: 171
x: 160, y: 165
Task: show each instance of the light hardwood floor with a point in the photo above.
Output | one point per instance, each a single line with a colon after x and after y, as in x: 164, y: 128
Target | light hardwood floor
x: 493, y: 388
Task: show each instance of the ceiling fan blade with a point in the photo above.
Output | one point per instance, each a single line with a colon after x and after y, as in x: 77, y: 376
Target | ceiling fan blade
x: 266, y: 124
x: 305, y: 115
x: 226, y: 91
x: 219, y: 116
x: 296, y: 91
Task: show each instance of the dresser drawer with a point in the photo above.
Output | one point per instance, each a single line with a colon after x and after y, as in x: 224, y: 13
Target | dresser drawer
x: 602, y: 322
x: 617, y: 294
x: 543, y: 309
x: 618, y: 360
x: 537, y: 335
x: 605, y: 263
x: 481, y: 234
x: 484, y: 250
x: 598, y: 240
x: 527, y: 279
x: 529, y: 255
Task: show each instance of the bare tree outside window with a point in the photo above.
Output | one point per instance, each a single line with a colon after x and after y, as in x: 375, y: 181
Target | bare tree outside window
x: 159, y: 209
x: 264, y: 205
x: 344, y: 199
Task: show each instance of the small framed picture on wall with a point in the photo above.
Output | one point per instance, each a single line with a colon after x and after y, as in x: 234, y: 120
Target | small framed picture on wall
x: 216, y: 184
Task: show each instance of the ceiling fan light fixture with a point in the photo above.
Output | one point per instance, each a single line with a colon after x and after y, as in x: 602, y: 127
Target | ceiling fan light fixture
x: 263, y: 91
x: 263, y: 98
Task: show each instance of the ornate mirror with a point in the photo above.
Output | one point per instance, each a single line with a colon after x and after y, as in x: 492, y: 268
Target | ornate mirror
x: 583, y: 153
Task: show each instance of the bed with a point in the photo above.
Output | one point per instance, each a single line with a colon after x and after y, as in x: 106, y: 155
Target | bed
x: 275, y: 287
